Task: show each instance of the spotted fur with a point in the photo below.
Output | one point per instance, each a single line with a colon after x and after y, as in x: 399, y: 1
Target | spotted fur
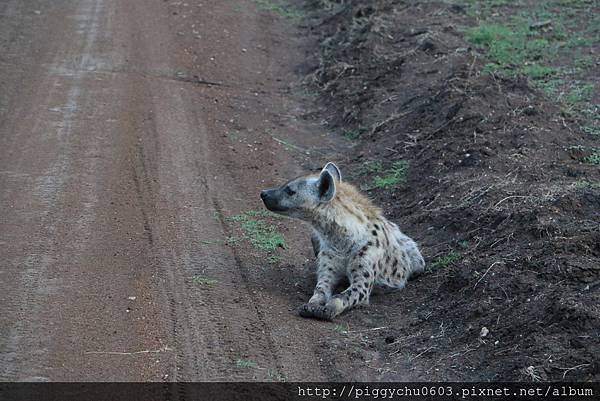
x: 351, y: 238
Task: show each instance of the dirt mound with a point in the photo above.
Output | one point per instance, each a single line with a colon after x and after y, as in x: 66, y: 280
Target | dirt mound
x: 482, y: 170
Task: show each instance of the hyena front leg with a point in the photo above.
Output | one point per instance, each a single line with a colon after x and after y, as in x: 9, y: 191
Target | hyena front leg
x: 329, y: 273
x: 315, y: 239
x: 362, y: 278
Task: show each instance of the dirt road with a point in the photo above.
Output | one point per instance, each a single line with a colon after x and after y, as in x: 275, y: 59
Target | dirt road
x: 117, y: 167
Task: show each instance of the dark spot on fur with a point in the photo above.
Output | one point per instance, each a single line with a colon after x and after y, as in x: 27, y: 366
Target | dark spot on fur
x: 361, y: 297
x: 376, y: 226
x: 366, y: 274
x: 395, y: 262
x: 361, y: 254
x: 354, y: 301
x: 370, y: 243
x: 394, y: 271
x: 374, y: 233
x: 387, y: 259
x: 354, y: 289
x: 387, y: 240
x: 377, y: 243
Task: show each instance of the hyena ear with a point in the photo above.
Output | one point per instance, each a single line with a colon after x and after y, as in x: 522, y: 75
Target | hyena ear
x: 326, y: 186
x: 333, y: 170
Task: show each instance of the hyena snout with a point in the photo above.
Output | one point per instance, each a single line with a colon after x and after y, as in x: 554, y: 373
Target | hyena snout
x: 272, y: 200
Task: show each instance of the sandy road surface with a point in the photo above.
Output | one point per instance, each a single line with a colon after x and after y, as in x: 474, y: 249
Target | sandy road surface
x: 114, y: 165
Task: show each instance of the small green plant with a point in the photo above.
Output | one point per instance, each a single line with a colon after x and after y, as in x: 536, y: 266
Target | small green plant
x: 443, y: 261
x: 275, y: 259
x: 591, y: 130
x: 506, y: 46
x: 579, y: 40
x: 263, y: 236
x: 591, y: 112
x: 246, y: 364
x: 594, y: 157
x: 374, y: 166
x: 275, y: 375
x: 258, y: 228
x: 394, y: 176
x: 355, y: 133
x: 464, y: 244
x: 232, y: 240
x: 537, y: 72
x: 583, y: 63
x: 579, y: 93
x: 341, y: 328
x: 234, y: 135
x: 283, y: 10
x: 203, y: 281
x: 578, y: 148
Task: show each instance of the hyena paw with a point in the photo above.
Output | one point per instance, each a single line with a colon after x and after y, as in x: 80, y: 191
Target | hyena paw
x: 316, y: 311
x: 318, y: 299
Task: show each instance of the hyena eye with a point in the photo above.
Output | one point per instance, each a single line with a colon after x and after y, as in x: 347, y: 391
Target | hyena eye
x: 289, y: 191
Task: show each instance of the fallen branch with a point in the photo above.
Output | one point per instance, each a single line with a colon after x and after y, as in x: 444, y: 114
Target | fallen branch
x: 373, y: 329
x: 427, y: 350
x: 486, y: 272
x: 567, y: 370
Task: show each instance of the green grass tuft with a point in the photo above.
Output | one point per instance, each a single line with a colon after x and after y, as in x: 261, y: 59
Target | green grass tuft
x: 591, y: 130
x: 538, y: 72
x: 203, y: 281
x: 374, y: 166
x: 443, y: 261
x: 275, y: 259
x: 283, y: 10
x: 262, y: 235
x: 258, y: 228
x: 342, y: 328
x: 593, y: 158
x: 394, y: 176
x: 246, y: 364
x: 355, y: 133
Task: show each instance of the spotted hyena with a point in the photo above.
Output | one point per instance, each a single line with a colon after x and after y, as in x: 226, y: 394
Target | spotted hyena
x: 351, y: 239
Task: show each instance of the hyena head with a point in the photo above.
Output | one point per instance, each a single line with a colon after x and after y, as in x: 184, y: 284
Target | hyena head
x: 300, y: 196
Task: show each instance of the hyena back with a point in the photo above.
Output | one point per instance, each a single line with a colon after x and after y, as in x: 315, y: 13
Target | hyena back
x: 351, y: 239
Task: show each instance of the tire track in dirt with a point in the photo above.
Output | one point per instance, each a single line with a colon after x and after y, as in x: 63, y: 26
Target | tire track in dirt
x: 45, y: 191
x: 196, y: 324
x: 60, y: 136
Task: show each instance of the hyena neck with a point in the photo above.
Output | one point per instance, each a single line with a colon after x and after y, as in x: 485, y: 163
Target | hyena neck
x: 343, y: 219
